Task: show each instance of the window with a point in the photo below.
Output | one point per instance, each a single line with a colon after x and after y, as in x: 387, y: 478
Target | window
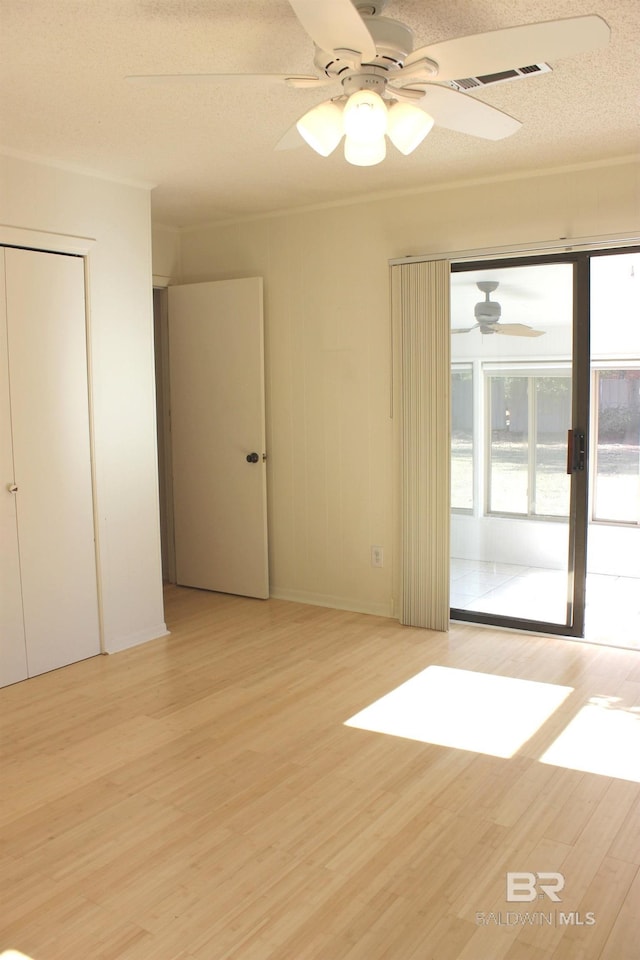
x: 552, y: 421
x: 529, y: 415
x: 616, y: 494
x: 509, y: 444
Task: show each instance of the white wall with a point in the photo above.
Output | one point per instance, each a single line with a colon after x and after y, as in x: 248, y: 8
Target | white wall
x: 330, y: 434
x: 117, y: 216
x: 165, y: 246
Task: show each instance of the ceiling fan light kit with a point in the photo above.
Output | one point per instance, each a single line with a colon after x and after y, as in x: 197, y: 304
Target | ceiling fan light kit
x: 364, y: 119
x: 373, y: 59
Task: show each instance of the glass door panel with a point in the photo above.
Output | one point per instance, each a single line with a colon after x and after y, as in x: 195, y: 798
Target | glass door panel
x: 617, y: 445
x: 512, y: 524
x: 613, y: 579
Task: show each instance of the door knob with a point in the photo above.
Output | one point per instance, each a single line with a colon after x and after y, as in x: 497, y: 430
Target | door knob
x: 12, y: 487
x: 252, y: 458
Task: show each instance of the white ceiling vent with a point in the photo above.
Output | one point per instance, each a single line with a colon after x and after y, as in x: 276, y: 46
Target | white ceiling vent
x: 470, y: 83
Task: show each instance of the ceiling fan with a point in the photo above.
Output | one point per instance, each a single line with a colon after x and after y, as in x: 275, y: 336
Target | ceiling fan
x: 487, y: 313
x: 383, y: 87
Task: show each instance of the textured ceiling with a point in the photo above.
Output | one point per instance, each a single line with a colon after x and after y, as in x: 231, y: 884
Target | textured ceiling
x: 208, y: 147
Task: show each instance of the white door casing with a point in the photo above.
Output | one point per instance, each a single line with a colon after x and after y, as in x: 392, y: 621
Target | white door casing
x: 216, y: 362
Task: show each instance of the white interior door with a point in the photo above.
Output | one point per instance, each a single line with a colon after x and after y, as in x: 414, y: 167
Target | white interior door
x: 13, y: 655
x: 52, y: 456
x: 216, y: 364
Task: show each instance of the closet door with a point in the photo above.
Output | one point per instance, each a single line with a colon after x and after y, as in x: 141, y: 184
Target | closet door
x: 51, y: 449
x: 13, y: 656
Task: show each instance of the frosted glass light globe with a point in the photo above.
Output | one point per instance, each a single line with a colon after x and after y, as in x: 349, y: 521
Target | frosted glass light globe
x: 408, y: 126
x: 365, y: 117
x: 365, y: 154
x: 322, y: 128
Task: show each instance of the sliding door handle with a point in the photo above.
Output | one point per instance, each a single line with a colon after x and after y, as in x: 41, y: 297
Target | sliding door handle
x: 576, y: 446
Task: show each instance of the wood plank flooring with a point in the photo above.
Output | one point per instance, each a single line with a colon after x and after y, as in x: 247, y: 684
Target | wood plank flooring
x: 201, y: 798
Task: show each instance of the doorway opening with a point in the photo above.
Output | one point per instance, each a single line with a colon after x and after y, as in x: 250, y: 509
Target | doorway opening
x: 514, y: 399
x: 210, y: 397
x: 163, y: 426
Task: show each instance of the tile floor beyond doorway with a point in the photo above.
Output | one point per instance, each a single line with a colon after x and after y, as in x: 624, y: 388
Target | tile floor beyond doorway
x: 512, y: 590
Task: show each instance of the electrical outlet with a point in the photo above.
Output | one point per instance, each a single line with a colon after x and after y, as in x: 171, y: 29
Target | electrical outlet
x: 377, y: 556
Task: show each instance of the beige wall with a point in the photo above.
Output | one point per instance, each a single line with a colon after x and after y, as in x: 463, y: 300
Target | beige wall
x: 332, y: 492
x: 36, y: 197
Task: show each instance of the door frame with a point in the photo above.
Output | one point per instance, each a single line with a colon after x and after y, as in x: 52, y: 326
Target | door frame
x: 163, y: 425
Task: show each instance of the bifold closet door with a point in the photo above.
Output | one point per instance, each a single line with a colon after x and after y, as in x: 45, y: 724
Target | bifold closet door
x: 13, y: 654
x: 47, y: 352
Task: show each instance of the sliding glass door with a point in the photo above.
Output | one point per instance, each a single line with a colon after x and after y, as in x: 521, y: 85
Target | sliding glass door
x: 613, y: 558
x: 519, y: 399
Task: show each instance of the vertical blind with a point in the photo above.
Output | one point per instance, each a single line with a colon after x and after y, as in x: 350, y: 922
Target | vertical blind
x: 420, y: 314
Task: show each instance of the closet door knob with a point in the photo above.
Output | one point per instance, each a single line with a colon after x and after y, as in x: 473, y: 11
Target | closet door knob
x: 12, y: 487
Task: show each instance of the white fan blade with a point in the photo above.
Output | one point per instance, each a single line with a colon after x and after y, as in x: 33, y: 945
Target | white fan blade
x: 307, y: 83
x: 464, y: 329
x: 487, y: 53
x: 459, y: 112
x: 335, y: 25
x: 266, y: 79
x: 517, y: 330
x: 291, y: 140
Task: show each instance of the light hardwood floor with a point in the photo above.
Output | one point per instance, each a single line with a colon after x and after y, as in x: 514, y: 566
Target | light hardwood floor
x: 201, y: 798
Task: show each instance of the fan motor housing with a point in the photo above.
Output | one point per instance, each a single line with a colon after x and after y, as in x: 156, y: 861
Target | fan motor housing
x: 487, y: 311
x: 393, y: 40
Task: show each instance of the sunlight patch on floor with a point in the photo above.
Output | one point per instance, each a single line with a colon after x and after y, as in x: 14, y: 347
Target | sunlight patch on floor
x: 604, y: 738
x: 464, y: 709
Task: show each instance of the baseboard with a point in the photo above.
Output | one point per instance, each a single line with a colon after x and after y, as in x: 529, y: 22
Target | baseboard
x: 337, y: 603
x: 136, y: 639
